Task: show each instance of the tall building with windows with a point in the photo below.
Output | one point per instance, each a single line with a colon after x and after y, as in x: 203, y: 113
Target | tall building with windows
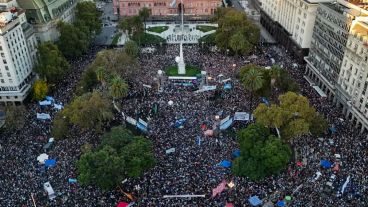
x: 352, y: 86
x: 44, y: 15
x: 337, y: 62
x: 18, y: 55
x: 166, y: 7
x: 291, y: 22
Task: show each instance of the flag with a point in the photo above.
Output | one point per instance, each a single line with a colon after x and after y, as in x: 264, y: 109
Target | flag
x: 218, y: 189
x: 173, y: 4
x: 198, y: 141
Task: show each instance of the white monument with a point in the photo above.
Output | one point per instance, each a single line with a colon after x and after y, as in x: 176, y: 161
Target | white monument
x: 180, y: 59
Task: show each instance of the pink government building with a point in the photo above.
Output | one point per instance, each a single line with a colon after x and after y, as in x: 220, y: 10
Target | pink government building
x: 166, y: 7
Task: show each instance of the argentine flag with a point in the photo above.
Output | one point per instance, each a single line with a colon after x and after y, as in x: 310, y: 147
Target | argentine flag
x: 173, y: 3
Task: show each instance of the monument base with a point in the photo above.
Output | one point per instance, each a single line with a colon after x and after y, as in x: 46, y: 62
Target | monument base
x: 181, y: 68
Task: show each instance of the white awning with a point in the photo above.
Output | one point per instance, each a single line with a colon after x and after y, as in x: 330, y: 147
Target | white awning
x: 319, y: 91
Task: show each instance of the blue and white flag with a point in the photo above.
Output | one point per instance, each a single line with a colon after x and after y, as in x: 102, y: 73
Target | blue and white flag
x: 173, y: 4
x: 198, y: 140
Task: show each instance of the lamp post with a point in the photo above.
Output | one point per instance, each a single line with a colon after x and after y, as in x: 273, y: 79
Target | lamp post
x: 159, y: 79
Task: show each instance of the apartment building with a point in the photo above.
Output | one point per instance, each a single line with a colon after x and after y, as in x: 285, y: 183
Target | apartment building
x: 291, y: 23
x: 18, y: 55
x: 337, y: 61
x: 352, y: 86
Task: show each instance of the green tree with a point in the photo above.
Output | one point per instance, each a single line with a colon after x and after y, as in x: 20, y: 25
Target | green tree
x: 89, y: 80
x: 234, y: 27
x: 265, y: 90
x: 252, y: 81
x: 117, y: 138
x: 293, y: 115
x: 239, y: 44
x: 51, y: 63
x: 261, y: 154
x: 318, y: 125
x: 133, y: 25
x: 87, y: 13
x: 40, y: 90
x: 144, y: 14
x: 60, y: 127
x: 138, y: 156
x: 89, y: 111
x: 105, y: 168
x: 131, y: 48
x: 275, y: 74
x: 120, y: 155
x: 74, y: 40
x: 286, y: 83
x: 15, y: 117
x: 116, y: 62
x: 118, y: 88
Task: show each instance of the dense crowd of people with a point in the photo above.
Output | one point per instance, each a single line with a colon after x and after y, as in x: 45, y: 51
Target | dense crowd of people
x: 192, y: 169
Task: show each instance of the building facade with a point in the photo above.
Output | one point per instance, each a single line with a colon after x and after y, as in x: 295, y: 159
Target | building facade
x: 18, y: 55
x: 44, y: 15
x: 352, y: 87
x: 166, y: 7
x: 337, y: 61
x: 291, y: 22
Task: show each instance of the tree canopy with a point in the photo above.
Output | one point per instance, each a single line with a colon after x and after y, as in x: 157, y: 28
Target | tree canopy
x: 51, y: 63
x: 115, y: 61
x: 120, y: 155
x: 74, y: 40
x: 131, y: 48
x: 87, y: 13
x: 261, y: 154
x: 14, y: 117
x: 40, y: 90
x: 236, y: 32
x: 294, y: 116
x: 89, y: 111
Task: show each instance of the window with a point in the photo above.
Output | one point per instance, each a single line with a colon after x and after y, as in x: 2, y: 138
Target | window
x: 8, y: 74
x: 2, y: 81
x: 6, y: 67
x: 10, y: 80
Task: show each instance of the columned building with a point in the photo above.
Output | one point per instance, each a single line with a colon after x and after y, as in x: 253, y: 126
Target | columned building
x: 44, y: 15
x: 166, y: 7
x: 291, y: 23
x: 17, y: 56
x: 337, y: 61
x: 352, y: 87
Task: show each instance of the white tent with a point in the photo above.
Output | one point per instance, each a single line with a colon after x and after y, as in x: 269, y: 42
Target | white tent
x: 42, y: 157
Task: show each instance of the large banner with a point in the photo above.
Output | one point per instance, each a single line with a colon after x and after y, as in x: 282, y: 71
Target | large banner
x: 206, y: 88
x: 43, y: 116
x: 171, y: 150
x: 130, y: 120
x: 142, y: 122
x: 224, y: 120
x: 242, y: 116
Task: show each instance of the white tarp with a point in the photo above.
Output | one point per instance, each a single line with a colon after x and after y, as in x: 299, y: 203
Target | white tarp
x: 224, y: 120
x: 43, y: 116
x: 206, y: 88
x: 50, y: 191
x: 147, y: 86
x: 242, y: 116
x: 58, y: 106
x: 142, y: 122
x: 130, y: 120
x: 171, y: 150
x: 44, y: 103
x: 42, y: 157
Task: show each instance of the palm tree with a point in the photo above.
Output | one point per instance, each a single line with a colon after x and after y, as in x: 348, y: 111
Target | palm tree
x: 118, y: 88
x: 275, y: 74
x: 144, y: 14
x: 252, y: 81
x: 101, y: 75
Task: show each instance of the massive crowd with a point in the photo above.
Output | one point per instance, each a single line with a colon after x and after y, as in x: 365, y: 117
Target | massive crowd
x: 192, y: 168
